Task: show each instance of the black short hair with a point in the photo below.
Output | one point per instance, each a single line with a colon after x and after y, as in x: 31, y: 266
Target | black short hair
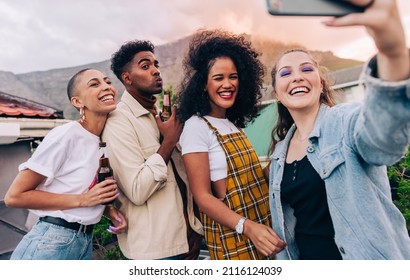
x: 126, y: 53
x: 71, y: 86
x: 204, y: 48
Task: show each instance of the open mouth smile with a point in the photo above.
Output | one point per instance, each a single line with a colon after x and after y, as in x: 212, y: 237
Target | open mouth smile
x: 226, y: 94
x: 107, y: 98
x: 299, y: 90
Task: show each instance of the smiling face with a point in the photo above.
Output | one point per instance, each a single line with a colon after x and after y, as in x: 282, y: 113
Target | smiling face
x: 297, y: 81
x: 222, y: 86
x: 94, y: 92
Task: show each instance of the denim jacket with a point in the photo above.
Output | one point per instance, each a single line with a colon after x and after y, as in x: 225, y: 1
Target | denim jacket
x: 350, y: 147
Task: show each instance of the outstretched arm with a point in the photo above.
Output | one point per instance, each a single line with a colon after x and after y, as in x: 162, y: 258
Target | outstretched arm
x: 383, y: 23
x: 382, y: 128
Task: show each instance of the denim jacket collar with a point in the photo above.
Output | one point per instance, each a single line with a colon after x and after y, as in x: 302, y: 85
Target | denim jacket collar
x: 319, y: 119
x: 281, y: 147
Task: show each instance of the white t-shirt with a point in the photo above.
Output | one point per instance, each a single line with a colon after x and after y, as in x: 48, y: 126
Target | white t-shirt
x: 198, y: 137
x: 69, y: 158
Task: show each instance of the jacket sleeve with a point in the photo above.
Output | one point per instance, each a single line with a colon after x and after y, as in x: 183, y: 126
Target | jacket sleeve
x: 382, y: 127
x: 138, y: 169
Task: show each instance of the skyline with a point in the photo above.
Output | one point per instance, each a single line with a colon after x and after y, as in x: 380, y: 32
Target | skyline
x: 81, y: 32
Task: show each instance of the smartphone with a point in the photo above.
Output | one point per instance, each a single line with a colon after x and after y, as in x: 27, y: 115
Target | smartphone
x: 311, y: 7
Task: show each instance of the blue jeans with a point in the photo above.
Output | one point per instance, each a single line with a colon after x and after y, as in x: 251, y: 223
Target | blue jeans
x: 52, y: 242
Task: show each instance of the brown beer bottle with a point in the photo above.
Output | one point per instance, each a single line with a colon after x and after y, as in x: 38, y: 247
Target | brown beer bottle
x: 166, y: 106
x: 104, y: 171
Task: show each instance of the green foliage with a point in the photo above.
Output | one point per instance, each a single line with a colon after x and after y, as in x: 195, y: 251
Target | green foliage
x: 101, y: 235
x: 105, y: 244
x: 114, y: 253
x: 399, y: 175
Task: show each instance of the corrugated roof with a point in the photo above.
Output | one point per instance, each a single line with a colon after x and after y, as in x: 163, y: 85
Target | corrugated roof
x: 347, y: 76
x: 15, y: 106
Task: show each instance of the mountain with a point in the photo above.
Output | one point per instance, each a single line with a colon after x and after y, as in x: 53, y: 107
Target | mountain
x: 49, y: 87
x: 11, y: 84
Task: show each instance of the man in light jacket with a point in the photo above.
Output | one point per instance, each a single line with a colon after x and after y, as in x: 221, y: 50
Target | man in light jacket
x: 147, y: 165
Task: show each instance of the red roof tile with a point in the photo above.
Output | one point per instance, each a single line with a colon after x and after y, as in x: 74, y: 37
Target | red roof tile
x: 19, y: 107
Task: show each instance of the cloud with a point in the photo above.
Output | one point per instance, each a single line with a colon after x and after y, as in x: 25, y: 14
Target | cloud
x: 45, y: 34
x: 361, y: 46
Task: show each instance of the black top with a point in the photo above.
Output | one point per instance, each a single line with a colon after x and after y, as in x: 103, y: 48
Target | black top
x: 304, y: 190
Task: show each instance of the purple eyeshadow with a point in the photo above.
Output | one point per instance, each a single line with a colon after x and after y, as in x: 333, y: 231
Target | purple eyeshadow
x: 284, y: 73
x: 307, y: 68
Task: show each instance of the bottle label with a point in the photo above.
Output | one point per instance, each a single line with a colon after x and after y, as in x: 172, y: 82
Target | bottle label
x: 166, y: 101
x: 103, y: 176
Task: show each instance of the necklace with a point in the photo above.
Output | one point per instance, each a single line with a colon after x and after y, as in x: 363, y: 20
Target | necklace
x: 300, y: 140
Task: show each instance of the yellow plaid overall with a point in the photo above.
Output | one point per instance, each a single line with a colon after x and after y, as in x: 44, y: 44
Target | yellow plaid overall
x: 246, y: 194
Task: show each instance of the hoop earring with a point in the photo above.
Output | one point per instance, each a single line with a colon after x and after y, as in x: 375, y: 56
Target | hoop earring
x: 82, y: 115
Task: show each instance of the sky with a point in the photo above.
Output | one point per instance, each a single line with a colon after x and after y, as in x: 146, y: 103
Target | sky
x: 38, y: 35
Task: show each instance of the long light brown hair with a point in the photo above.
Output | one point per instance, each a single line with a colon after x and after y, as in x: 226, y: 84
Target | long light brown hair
x: 285, y: 120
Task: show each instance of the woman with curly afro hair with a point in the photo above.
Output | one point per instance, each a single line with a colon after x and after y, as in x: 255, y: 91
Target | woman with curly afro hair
x: 219, y: 95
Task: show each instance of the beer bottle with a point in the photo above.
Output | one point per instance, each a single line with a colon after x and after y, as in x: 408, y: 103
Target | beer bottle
x: 104, y: 171
x: 166, y: 106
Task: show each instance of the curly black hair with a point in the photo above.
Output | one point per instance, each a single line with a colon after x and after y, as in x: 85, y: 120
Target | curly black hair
x: 204, y: 48
x: 121, y: 58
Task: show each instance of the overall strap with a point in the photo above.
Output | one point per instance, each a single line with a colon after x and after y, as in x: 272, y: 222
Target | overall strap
x: 246, y: 194
x: 214, y: 129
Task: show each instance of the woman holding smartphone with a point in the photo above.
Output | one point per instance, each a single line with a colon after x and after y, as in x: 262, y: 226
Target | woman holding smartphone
x: 330, y: 196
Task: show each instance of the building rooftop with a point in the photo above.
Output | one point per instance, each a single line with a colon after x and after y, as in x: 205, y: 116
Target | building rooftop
x: 14, y: 106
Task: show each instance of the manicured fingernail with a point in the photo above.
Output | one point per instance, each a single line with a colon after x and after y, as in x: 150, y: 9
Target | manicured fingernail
x: 119, y: 219
x: 113, y: 228
x: 110, y: 231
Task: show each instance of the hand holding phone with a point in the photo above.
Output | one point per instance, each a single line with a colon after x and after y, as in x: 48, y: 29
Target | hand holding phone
x: 312, y: 7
